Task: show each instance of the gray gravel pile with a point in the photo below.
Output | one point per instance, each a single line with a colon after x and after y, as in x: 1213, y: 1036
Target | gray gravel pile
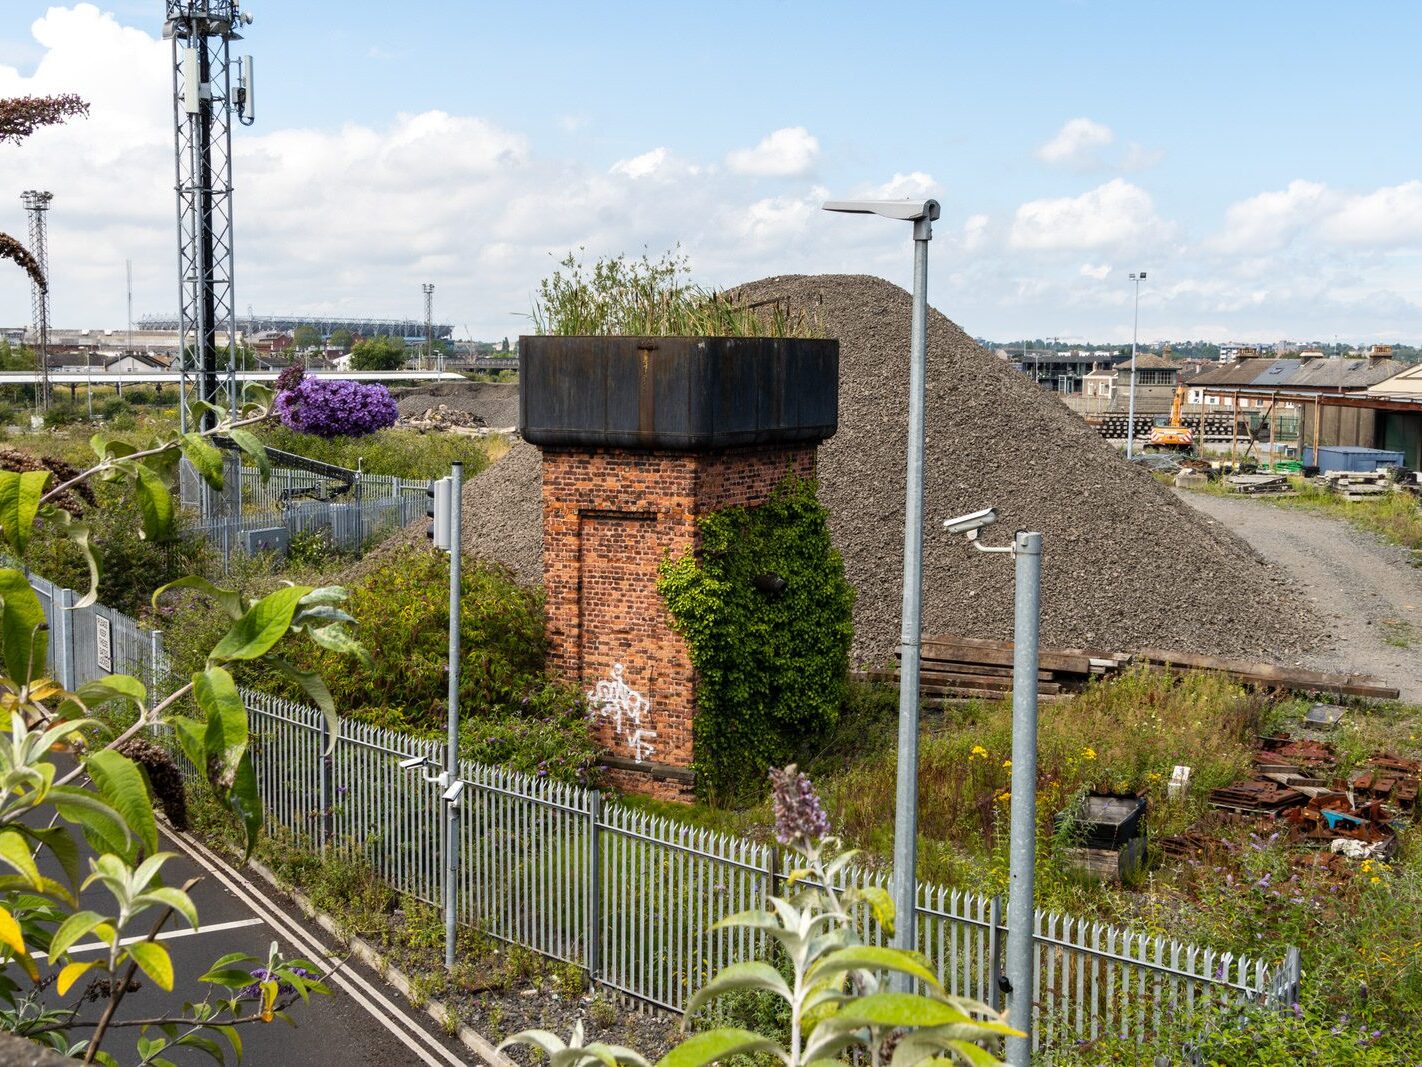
x: 1126, y: 564
x: 494, y: 402
x: 502, y: 519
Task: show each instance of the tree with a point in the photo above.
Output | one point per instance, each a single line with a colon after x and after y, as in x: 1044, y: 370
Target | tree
x: 45, y: 810
x: 342, y: 339
x: 306, y: 337
x: 16, y: 359
x: 378, y: 353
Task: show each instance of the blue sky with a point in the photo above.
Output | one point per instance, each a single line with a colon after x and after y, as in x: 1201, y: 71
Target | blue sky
x: 1259, y: 160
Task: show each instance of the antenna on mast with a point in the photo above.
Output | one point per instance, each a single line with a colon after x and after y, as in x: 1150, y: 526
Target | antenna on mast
x: 204, y: 104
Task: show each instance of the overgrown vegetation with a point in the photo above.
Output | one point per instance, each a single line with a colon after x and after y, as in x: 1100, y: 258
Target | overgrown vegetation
x: 645, y: 297
x: 512, y: 712
x: 766, y: 612
x: 397, y: 452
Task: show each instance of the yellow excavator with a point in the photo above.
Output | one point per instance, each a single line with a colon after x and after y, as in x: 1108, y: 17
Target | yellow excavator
x: 1172, y: 434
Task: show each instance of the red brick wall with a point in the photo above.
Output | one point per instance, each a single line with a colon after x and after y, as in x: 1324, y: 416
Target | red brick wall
x: 610, y: 517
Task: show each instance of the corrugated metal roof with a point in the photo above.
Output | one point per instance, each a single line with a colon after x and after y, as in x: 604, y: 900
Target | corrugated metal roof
x: 1322, y: 373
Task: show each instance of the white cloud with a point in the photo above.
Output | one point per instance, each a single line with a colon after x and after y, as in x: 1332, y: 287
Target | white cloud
x: 786, y: 153
x: 659, y: 163
x: 1095, y: 270
x: 1077, y: 144
x: 915, y: 185
x: 1115, y: 215
x: 1387, y: 217
x: 975, y: 231
x: 1270, y: 220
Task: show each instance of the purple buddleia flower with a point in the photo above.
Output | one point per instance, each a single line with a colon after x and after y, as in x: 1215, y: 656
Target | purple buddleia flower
x: 291, y: 377
x: 336, y: 408
x: 261, y: 974
x: 800, y: 818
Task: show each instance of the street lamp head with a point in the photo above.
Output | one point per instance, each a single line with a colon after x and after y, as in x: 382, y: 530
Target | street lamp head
x: 1139, y: 277
x: 903, y: 210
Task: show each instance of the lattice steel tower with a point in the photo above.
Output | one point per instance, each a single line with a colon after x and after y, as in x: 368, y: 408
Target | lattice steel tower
x: 37, y: 204
x: 204, y: 104
x: 429, y: 324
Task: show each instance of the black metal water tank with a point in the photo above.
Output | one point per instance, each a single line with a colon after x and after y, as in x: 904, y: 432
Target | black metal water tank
x: 678, y: 393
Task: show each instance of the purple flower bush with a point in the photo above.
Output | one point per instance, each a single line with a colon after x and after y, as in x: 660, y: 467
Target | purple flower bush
x: 335, y: 408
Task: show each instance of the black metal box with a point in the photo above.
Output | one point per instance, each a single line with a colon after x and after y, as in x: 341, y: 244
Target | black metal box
x: 677, y: 393
x: 1108, y: 821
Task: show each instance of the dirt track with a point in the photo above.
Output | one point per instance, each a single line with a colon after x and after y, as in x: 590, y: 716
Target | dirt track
x: 1361, y: 586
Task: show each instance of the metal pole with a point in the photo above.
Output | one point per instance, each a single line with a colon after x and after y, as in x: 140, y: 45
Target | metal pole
x: 451, y: 809
x: 1027, y: 550
x: 906, y: 794
x: 1135, y: 330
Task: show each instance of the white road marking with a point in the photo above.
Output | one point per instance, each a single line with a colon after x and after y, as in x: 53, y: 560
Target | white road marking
x: 168, y: 935
x: 414, y: 1036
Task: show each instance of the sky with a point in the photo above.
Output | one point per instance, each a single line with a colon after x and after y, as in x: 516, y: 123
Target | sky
x: 1260, y: 162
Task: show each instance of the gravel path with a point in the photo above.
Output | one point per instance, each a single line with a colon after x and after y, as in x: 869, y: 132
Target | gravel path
x: 1363, y: 587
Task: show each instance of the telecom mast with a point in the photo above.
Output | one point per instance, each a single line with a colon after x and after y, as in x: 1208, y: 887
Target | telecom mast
x: 204, y: 105
x: 37, y: 204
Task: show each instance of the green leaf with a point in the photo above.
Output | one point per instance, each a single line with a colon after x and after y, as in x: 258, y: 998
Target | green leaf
x: 225, y: 737
x: 61, y: 845
x: 152, y: 958
x: 881, y: 904
x: 262, y: 626
x: 873, y: 958
x: 122, y: 784
x: 77, y: 534
x: 338, y: 639
x: 204, y: 457
x: 113, y: 688
x: 155, y: 503
x: 248, y: 443
x: 256, y: 395
x: 749, y: 975
x: 228, y: 599
x: 712, y: 1045
x: 107, y: 449
x: 24, y: 634
x: 895, y: 1010
x: 72, y: 930
x: 207, y: 1044
x: 19, y: 501
x: 15, y: 854
x: 233, y: 1038
x: 246, y: 802
x: 315, y: 687
x: 102, y: 826
x: 176, y: 899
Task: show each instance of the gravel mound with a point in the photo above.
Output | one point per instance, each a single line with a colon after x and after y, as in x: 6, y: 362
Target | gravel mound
x: 502, y: 520
x: 1126, y: 565
x: 494, y: 402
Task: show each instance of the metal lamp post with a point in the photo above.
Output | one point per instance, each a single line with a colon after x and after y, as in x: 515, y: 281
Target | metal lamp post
x: 922, y: 214
x: 1026, y: 550
x: 1135, y: 331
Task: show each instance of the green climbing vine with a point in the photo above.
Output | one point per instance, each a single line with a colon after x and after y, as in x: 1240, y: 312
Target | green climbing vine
x: 772, y: 660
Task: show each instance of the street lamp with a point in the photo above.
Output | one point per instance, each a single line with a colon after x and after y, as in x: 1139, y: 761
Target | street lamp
x: 922, y: 214
x: 1135, y: 330
x: 1026, y: 550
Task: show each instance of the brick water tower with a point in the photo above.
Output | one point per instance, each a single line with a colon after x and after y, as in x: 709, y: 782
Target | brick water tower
x: 641, y: 437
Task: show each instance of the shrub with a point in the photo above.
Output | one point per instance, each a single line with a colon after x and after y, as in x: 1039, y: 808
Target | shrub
x: 113, y: 407
x: 772, y: 666
x: 64, y: 413
x: 337, y: 408
x: 402, y: 453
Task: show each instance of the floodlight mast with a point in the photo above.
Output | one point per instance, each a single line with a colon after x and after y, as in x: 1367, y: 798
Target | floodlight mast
x: 204, y: 104
x: 37, y: 203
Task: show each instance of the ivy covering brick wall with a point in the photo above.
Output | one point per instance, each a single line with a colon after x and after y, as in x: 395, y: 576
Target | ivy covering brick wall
x: 771, y: 666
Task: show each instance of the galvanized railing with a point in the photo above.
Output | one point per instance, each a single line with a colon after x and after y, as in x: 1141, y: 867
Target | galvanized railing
x: 632, y: 897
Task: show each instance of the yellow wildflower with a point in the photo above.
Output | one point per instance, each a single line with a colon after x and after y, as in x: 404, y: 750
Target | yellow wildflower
x: 1004, y: 797
x: 1088, y: 753
x: 1374, y: 879
x: 978, y: 752
x: 1007, y: 763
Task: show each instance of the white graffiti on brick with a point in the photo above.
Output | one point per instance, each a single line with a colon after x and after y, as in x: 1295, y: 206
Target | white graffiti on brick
x: 613, y: 699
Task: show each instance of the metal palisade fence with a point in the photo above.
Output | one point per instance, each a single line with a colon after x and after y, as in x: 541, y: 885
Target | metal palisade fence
x: 250, y: 515
x: 634, y: 898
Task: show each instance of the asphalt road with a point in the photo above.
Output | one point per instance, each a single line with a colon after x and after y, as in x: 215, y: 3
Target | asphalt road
x: 360, y: 1023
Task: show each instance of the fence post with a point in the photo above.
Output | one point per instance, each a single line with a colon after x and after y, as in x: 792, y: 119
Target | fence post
x: 154, y: 641
x: 994, y: 997
x: 323, y: 775
x: 594, y: 909
x: 62, y: 638
x: 772, y: 873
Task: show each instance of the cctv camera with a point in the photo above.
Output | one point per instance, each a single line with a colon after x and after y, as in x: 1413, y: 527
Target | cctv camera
x: 453, y: 792
x: 413, y: 762
x: 972, y: 522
